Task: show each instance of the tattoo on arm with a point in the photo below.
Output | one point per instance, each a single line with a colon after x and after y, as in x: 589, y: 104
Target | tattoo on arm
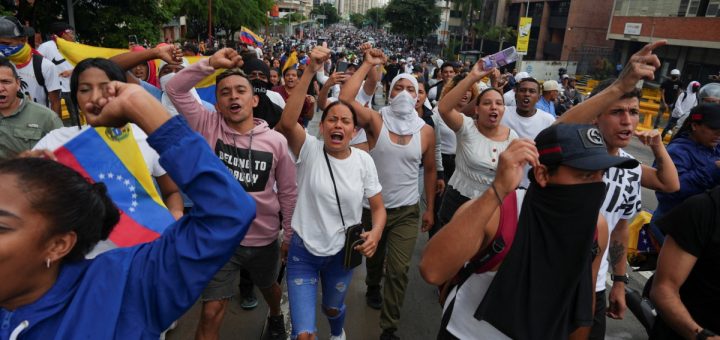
x: 616, y: 254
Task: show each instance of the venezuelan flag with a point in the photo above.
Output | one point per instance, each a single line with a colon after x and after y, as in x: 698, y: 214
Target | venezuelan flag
x: 249, y: 37
x: 76, y: 52
x: 111, y: 156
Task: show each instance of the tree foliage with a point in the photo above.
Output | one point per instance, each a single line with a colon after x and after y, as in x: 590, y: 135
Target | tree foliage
x: 329, y: 11
x: 376, y: 16
x: 357, y: 19
x: 415, y: 18
x: 228, y: 15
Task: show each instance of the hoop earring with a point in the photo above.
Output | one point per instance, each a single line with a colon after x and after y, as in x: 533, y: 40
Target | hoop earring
x: 47, y: 263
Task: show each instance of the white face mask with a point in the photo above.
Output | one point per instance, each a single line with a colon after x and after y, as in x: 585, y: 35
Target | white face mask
x: 403, y: 103
x: 165, y: 79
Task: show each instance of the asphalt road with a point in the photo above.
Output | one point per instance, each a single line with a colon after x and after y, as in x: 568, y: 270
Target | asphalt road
x: 421, y: 311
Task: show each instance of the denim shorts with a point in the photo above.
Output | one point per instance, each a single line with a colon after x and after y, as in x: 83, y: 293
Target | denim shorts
x: 263, y: 264
x: 304, y: 272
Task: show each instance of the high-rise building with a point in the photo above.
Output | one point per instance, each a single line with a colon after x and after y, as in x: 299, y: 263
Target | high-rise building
x: 347, y: 7
x: 692, y: 28
x: 291, y: 6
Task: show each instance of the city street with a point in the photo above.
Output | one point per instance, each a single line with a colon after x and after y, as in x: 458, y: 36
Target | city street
x: 421, y: 312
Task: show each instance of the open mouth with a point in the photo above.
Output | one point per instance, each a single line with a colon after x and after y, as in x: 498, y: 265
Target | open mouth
x: 526, y: 101
x: 625, y: 134
x: 235, y: 107
x: 3, y: 99
x: 493, y: 117
x: 337, y: 137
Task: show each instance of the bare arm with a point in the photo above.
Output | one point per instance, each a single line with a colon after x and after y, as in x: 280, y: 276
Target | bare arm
x: 452, y: 117
x: 674, y: 266
x: 664, y: 177
x: 372, y: 80
x: 462, y: 238
x: 641, y: 65
x: 429, y: 177
x: 582, y: 333
x: 171, y: 196
x: 372, y: 237
x: 168, y: 53
x: 288, y: 124
x: 617, y: 258
x: 367, y: 118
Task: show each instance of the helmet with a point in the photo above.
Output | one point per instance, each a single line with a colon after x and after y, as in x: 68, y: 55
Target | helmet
x: 711, y: 90
x: 10, y: 27
x: 675, y: 72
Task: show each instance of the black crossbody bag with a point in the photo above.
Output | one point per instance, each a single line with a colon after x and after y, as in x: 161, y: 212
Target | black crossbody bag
x: 352, y: 258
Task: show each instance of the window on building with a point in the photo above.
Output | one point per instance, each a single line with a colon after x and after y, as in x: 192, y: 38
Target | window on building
x: 693, y: 8
x: 713, y: 8
x: 683, y: 8
x: 560, y: 8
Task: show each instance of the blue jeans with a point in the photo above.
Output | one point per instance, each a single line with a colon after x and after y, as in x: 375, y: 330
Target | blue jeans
x: 304, y: 271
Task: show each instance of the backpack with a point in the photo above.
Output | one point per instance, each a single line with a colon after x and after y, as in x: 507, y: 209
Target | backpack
x: 491, y: 256
x: 37, y: 69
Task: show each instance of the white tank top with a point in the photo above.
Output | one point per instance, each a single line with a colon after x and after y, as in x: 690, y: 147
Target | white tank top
x: 398, y: 168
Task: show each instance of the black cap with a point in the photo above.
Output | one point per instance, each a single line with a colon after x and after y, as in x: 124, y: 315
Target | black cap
x: 707, y: 114
x: 579, y: 146
x: 10, y: 27
x: 256, y: 64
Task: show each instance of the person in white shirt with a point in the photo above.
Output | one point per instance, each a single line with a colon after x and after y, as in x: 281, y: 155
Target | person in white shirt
x: 63, y: 68
x: 316, y: 250
x: 509, y: 96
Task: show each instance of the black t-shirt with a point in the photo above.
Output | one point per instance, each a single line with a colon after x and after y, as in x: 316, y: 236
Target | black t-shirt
x: 695, y: 227
x: 670, y: 88
x: 392, y: 72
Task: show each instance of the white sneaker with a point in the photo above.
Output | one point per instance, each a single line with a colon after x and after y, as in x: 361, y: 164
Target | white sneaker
x: 338, y: 337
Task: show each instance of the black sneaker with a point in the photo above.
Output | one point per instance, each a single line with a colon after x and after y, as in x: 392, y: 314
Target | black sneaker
x: 389, y: 334
x: 276, y: 327
x: 374, y: 298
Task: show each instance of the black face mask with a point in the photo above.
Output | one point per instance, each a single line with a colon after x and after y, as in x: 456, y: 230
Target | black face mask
x: 260, y: 86
x: 549, y: 264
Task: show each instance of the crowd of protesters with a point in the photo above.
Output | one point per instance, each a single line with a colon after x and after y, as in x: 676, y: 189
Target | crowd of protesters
x: 526, y: 191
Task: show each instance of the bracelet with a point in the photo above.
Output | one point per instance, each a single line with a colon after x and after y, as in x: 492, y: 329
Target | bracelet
x: 500, y: 201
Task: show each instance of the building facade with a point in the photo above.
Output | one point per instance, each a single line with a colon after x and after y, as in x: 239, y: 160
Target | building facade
x: 691, y: 27
x: 347, y: 7
x: 295, y: 6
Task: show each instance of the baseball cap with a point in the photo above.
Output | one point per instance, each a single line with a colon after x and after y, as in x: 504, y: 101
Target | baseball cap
x: 564, y: 76
x: 10, y: 27
x: 551, y: 85
x: 706, y: 114
x: 521, y: 75
x: 580, y: 146
x: 675, y: 72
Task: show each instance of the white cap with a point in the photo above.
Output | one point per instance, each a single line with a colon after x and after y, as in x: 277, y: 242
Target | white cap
x: 521, y: 75
x: 551, y: 85
x: 439, y: 62
x: 402, y: 60
x: 565, y: 76
x: 675, y: 72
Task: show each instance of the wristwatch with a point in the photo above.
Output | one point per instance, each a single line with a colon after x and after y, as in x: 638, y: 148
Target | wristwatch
x: 703, y: 334
x: 620, y: 278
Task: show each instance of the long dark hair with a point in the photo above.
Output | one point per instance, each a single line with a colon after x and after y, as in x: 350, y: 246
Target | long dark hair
x: 68, y: 201
x: 111, y: 69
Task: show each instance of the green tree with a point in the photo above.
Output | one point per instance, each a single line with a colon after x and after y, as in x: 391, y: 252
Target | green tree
x: 228, y: 15
x: 376, y: 16
x: 292, y: 17
x: 329, y: 11
x: 357, y: 19
x: 415, y: 18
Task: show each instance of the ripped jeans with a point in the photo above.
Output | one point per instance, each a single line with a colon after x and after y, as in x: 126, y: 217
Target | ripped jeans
x: 304, y: 272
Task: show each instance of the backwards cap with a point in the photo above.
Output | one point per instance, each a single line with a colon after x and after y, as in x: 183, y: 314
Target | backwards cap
x: 580, y: 146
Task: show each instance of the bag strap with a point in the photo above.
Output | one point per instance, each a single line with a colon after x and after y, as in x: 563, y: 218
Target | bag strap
x: 337, y: 197
x: 39, y: 77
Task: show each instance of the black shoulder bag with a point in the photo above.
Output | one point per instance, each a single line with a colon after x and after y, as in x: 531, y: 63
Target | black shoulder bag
x: 352, y: 257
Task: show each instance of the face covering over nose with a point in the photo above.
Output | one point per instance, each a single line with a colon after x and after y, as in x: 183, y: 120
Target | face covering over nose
x: 19, y: 54
x: 400, y: 116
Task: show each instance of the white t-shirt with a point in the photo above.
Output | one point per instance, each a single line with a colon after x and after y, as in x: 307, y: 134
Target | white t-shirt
x: 29, y: 85
x: 58, y: 137
x: 444, y: 135
x: 316, y: 218
x: 509, y: 98
x: 476, y: 159
x: 50, y: 51
x: 526, y: 127
x: 622, y: 202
